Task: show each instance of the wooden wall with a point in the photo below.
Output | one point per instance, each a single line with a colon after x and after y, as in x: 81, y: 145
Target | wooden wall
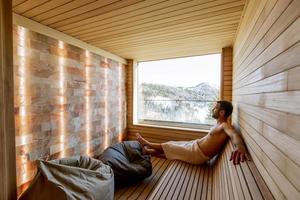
x: 266, y: 91
x: 7, y: 136
x: 226, y: 74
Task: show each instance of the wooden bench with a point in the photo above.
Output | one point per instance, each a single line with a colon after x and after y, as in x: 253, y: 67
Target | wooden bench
x: 217, y: 179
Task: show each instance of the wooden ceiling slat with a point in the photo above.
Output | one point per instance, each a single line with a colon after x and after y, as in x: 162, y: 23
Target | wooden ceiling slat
x: 183, y: 42
x: 224, y: 23
x: 169, y: 49
x: 169, y: 38
x: 177, y: 53
x: 164, y: 23
x: 82, y: 10
x: 141, y: 29
x: 177, y: 27
x: 91, y: 10
x: 27, y: 5
x: 161, y: 16
x: 61, y: 9
x: 17, y: 2
x: 131, y: 12
x: 161, y: 40
x: 45, y: 7
x: 190, y: 50
x: 182, y: 45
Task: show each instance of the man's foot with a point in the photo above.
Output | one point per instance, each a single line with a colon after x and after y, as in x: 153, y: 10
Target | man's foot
x: 141, y: 140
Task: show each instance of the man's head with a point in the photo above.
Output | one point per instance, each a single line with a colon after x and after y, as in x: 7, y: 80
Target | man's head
x: 222, y: 109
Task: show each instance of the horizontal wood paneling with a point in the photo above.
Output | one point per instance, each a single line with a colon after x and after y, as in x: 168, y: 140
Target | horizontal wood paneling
x: 141, y: 30
x: 266, y: 91
x: 226, y: 74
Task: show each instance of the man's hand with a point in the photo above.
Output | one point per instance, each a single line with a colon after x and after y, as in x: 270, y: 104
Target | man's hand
x: 239, y: 154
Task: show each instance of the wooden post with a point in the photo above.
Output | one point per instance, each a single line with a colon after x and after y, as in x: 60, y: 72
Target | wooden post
x: 7, y: 130
x: 226, y: 74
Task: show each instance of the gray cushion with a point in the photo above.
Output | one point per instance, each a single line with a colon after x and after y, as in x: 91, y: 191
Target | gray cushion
x: 127, y: 162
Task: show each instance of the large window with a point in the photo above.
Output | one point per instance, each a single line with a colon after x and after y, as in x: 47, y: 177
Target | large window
x: 178, y: 92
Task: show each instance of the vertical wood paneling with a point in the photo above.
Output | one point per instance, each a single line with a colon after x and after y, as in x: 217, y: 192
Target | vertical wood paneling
x: 7, y: 132
x: 266, y: 91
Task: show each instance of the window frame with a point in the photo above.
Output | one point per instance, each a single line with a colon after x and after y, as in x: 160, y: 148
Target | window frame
x: 160, y: 123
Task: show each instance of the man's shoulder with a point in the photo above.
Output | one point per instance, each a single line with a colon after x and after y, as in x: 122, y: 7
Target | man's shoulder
x: 225, y: 125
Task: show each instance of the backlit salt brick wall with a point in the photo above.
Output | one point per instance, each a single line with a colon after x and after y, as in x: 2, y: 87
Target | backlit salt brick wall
x: 68, y: 101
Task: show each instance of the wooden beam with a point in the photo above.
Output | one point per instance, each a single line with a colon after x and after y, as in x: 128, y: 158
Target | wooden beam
x: 226, y: 74
x: 7, y: 132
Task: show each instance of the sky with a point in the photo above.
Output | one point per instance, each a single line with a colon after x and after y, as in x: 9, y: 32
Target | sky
x: 182, y: 72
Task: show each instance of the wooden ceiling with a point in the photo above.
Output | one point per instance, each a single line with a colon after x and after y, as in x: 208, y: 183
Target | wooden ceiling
x: 141, y: 29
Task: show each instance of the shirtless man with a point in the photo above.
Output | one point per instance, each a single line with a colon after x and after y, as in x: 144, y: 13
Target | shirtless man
x: 200, y: 150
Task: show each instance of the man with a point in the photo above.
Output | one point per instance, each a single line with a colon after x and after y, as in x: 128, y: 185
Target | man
x: 200, y: 150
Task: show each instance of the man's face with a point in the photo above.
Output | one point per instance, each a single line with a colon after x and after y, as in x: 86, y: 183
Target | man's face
x: 215, y: 111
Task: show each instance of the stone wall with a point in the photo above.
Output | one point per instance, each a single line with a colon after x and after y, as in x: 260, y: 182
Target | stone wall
x: 68, y: 101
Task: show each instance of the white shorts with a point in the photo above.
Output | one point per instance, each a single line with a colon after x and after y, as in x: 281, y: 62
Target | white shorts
x: 187, y: 151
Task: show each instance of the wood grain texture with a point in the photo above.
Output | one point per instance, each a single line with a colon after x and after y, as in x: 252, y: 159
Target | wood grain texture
x: 216, y: 179
x: 7, y: 131
x: 142, y: 30
x: 266, y: 91
x: 226, y: 74
x: 45, y: 30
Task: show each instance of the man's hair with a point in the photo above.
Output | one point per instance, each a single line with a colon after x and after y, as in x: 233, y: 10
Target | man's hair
x: 226, y: 106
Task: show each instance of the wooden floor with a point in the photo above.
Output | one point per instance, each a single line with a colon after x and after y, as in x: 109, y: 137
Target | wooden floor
x: 218, y: 179
x: 171, y: 180
x: 143, y: 189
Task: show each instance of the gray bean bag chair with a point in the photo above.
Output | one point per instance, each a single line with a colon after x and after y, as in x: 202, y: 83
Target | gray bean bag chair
x: 71, y: 178
x: 127, y: 162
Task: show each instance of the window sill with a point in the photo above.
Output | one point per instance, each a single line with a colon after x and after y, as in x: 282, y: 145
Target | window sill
x: 175, y: 126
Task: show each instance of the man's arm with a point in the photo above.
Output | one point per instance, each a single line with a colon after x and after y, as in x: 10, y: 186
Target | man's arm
x: 239, y: 154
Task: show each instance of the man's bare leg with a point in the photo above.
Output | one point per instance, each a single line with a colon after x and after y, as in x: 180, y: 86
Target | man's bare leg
x: 144, y: 142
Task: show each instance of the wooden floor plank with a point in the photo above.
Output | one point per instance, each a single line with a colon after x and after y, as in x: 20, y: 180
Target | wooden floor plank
x: 136, y: 189
x: 164, y: 181
x: 265, y: 192
x: 190, y: 184
x: 151, y: 186
x: 210, y: 182
x: 225, y: 181
x: 173, y: 180
x: 142, y: 186
x: 181, y: 181
x: 132, y: 189
x: 175, y: 185
x: 228, y: 176
x: 205, y: 185
x: 251, y: 183
x: 197, y: 180
x: 185, y: 183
